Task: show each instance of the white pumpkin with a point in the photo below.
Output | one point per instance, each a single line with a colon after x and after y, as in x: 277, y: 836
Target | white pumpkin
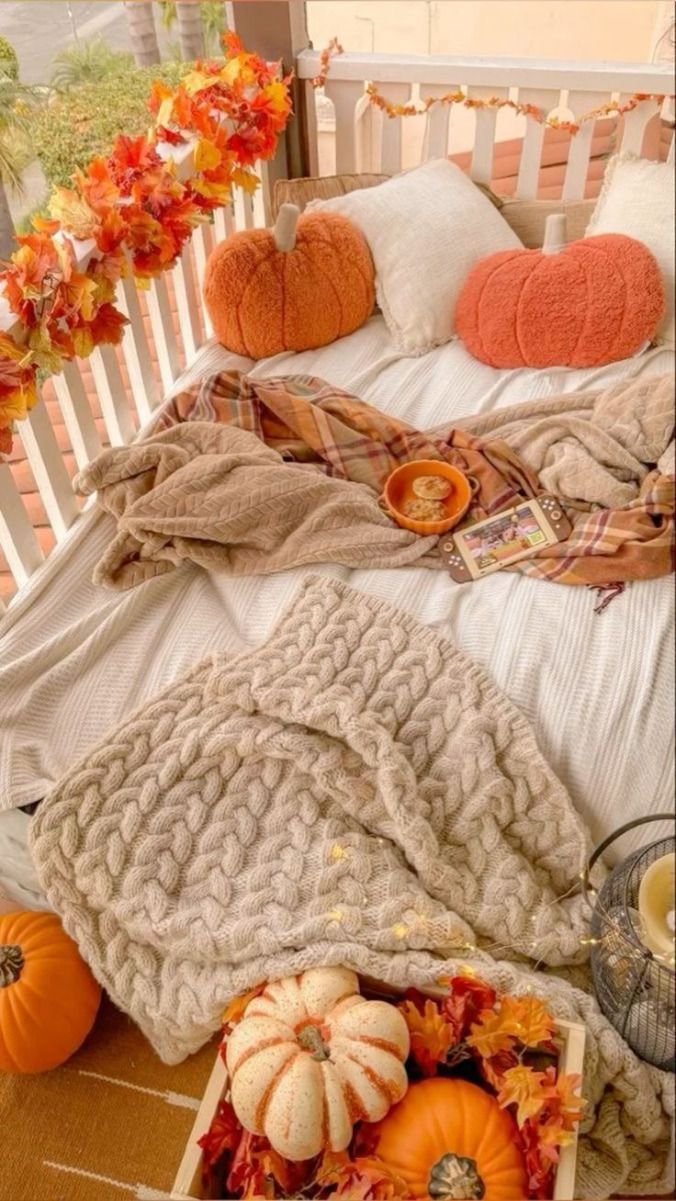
x: 310, y: 1057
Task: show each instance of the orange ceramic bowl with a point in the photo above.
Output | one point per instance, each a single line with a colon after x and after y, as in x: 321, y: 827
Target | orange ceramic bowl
x: 399, y: 489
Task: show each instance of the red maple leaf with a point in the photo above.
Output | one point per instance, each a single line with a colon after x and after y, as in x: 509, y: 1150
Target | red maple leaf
x: 540, y: 1170
x: 467, y: 996
x: 258, y: 1171
x: 107, y: 325
x: 130, y: 159
x: 494, y: 1067
x: 164, y: 134
x: 366, y: 1178
x: 223, y: 1135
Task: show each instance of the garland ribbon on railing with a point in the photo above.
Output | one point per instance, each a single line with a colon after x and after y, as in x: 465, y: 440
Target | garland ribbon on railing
x: 613, y: 107
x: 526, y: 110
x: 138, y: 214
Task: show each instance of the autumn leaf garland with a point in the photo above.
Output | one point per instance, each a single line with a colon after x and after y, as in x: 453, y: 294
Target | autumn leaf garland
x: 138, y: 215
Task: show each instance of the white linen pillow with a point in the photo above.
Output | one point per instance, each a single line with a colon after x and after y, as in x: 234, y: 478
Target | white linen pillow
x: 637, y: 199
x: 426, y: 228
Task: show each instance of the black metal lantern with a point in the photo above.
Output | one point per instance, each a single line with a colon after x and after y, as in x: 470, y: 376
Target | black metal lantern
x: 635, y: 988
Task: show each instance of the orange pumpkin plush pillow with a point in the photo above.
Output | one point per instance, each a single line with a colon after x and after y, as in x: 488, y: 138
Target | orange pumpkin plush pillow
x: 300, y: 285
x: 579, y: 305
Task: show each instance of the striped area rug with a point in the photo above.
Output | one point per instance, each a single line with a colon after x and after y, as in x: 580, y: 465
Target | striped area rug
x: 110, y: 1125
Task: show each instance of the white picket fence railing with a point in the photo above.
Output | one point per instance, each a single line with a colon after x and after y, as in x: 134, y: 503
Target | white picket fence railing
x: 368, y: 140
x: 364, y: 140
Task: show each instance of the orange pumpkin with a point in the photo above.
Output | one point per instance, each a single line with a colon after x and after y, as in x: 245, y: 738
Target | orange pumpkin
x: 48, y: 996
x: 590, y: 302
x: 300, y: 285
x: 448, y: 1138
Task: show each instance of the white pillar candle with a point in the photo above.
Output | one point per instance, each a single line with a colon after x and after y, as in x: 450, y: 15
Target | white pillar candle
x: 656, y: 906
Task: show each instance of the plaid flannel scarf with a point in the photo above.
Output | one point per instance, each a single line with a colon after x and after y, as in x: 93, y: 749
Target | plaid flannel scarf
x: 309, y: 421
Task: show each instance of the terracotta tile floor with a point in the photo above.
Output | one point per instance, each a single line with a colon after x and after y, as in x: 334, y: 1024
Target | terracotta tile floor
x: 20, y: 467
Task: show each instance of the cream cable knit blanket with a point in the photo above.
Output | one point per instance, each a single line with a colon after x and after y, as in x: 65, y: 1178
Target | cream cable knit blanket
x: 355, y: 791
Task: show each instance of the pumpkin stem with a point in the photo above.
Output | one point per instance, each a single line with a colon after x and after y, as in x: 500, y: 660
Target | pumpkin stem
x: 284, y: 231
x: 555, y: 233
x: 11, y: 963
x: 310, y: 1038
x: 456, y: 1176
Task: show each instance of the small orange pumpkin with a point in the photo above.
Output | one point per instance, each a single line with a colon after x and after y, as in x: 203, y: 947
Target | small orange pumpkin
x: 300, y: 285
x: 448, y: 1138
x: 590, y: 302
x: 48, y: 996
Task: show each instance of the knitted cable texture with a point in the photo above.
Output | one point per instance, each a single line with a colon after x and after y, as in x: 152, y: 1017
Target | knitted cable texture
x: 355, y: 791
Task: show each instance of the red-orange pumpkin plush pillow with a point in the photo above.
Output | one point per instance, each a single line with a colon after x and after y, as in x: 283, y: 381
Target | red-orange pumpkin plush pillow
x: 591, y: 302
x: 300, y: 285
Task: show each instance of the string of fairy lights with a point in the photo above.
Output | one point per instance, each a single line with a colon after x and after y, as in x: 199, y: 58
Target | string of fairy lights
x: 528, y: 944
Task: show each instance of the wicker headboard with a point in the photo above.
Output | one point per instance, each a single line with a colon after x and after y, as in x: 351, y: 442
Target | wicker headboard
x: 526, y: 217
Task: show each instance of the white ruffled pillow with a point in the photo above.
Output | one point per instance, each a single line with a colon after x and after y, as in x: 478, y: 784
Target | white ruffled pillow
x: 426, y: 228
x: 637, y: 199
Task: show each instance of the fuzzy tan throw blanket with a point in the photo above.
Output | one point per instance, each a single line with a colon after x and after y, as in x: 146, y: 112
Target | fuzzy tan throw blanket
x: 354, y: 791
x: 253, y: 476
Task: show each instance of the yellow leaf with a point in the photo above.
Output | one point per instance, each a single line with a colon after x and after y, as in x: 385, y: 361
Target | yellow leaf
x: 213, y: 191
x: 247, y: 180
x: 45, y: 353
x: 165, y: 111
x: 278, y: 95
x: 83, y: 342
x: 206, y: 155
x: 196, y: 81
x: 231, y: 70
x: 73, y: 213
x: 521, y: 1086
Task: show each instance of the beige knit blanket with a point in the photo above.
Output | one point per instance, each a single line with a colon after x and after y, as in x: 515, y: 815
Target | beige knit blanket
x: 215, y: 494
x: 354, y: 791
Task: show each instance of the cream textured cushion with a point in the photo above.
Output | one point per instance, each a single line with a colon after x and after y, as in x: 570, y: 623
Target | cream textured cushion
x: 637, y: 199
x: 306, y: 188
x: 528, y: 218
x: 426, y: 228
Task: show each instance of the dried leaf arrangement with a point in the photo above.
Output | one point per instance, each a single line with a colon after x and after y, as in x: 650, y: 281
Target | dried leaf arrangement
x: 506, y: 1044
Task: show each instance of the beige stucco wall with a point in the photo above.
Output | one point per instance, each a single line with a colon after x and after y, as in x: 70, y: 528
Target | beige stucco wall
x: 567, y: 29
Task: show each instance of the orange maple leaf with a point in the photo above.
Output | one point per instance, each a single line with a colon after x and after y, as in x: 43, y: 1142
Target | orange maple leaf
x: 532, y: 1021
x: 488, y: 1035
x: 234, y: 1010
x: 523, y: 1087
x: 366, y: 1178
x: 552, y: 1135
x: 96, y: 185
x: 564, y: 1099
x: 516, y: 1019
x: 431, y: 1035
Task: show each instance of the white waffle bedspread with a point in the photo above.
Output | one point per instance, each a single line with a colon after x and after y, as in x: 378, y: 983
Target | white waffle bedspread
x: 598, y: 689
